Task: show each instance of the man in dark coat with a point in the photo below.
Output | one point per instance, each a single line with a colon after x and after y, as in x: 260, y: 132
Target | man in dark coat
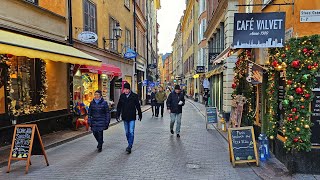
x: 99, y: 117
x: 153, y: 101
x: 128, y: 106
x: 175, y: 102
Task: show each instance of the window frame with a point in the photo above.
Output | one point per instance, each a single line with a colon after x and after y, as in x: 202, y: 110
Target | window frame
x: 95, y: 23
x: 127, y: 4
x: 127, y: 37
x: 113, y: 43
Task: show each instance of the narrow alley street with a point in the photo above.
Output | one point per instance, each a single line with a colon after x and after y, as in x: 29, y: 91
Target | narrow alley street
x: 198, y: 154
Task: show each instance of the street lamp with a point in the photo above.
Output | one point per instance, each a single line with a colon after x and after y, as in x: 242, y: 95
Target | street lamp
x: 117, y: 32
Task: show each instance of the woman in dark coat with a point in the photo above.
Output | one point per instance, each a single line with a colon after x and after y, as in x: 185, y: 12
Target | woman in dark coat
x: 99, y: 117
x: 153, y: 101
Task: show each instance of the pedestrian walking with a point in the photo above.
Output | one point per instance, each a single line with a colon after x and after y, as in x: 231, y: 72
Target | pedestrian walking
x: 153, y: 101
x: 174, y: 105
x: 161, y: 97
x: 98, y: 117
x: 128, y: 106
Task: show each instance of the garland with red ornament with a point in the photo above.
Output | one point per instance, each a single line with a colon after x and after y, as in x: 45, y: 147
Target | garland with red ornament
x: 300, y: 60
x: 242, y: 87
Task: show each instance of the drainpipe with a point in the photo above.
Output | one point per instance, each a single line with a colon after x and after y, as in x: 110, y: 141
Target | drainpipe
x: 70, y: 22
x: 135, y: 44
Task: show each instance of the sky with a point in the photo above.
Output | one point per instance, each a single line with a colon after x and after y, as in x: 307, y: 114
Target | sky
x: 168, y: 18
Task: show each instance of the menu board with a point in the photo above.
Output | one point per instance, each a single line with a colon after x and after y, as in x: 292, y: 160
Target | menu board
x: 242, y: 145
x: 212, y: 116
x: 315, y: 116
x: 26, y: 142
x: 22, y: 142
x: 281, y: 95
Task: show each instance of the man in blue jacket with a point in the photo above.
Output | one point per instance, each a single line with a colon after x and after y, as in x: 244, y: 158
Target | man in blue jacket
x: 175, y: 102
x: 128, y: 106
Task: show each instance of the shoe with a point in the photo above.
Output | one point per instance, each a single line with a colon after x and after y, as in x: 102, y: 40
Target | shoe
x: 161, y: 115
x: 172, y: 132
x: 128, y: 150
x: 178, y: 135
x: 99, y: 149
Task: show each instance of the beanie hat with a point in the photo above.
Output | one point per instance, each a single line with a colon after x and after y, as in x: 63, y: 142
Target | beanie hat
x: 126, y: 86
x: 98, y: 91
x: 177, y: 87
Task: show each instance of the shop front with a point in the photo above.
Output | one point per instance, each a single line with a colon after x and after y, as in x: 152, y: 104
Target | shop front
x: 88, y: 79
x: 34, y: 82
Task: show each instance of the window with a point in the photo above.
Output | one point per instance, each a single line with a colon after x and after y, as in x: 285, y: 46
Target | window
x: 127, y: 3
x: 128, y: 38
x: 113, y: 43
x: 33, y: 1
x: 249, y: 9
x: 202, y: 8
x: 202, y: 29
x: 90, y: 21
x: 2, y: 89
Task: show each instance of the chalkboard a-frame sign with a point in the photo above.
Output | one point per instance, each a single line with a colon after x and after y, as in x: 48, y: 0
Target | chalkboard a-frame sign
x: 242, y: 145
x: 211, y: 115
x: 26, y: 142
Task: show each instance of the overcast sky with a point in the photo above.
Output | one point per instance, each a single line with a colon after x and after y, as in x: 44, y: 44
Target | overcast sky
x: 168, y: 17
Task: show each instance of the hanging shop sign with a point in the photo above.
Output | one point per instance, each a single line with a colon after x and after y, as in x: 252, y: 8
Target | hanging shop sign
x: 152, y: 66
x: 201, y: 69
x: 118, y: 84
x: 259, y: 30
x: 130, y: 54
x: 242, y: 145
x: 255, y: 73
x: 212, y: 57
x: 26, y: 142
x: 309, y: 16
x: 88, y: 37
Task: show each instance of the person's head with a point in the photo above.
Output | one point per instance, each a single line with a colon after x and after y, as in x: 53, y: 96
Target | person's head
x: 126, y: 88
x: 177, y: 89
x: 97, y: 94
x: 160, y: 88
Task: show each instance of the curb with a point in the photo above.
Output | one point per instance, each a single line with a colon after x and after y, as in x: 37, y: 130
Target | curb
x: 5, y: 163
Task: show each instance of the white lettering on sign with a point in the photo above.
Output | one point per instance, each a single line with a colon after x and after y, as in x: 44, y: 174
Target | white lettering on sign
x: 245, y: 25
x: 269, y: 24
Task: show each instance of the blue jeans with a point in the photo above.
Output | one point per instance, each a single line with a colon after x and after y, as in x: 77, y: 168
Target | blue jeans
x: 175, y: 117
x: 129, y: 128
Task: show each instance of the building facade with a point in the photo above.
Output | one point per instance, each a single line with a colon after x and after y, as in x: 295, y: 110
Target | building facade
x: 219, y: 34
x: 35, y: 59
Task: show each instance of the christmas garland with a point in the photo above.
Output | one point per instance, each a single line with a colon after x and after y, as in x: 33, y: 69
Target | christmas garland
x: 24, y: 107
x: 302, y: 56
x: 242, y: 87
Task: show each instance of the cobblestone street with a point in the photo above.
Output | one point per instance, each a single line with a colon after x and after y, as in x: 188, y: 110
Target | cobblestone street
x: 198, y: 154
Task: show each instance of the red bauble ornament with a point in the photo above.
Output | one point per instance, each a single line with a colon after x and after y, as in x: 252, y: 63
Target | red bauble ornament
x: 302, y: 107
x: 289, y: 82
x: 295, y: 140
x: 315, y: 64
x: 307, y: 96
x: 305, y: 50
x: 294, y: 110
x: 290, y: 119
x: 283, y: 55
x: 299, y: 90
x: 234, y: 86
x: 295, y: 63
x: 9, y: 55
x: 275, y: 63
x: 296, y: 117
x: 308, y: 54
x: 309, y: 67
x: 290, y: 115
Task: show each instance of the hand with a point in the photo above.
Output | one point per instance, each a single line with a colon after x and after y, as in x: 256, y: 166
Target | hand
x: 169, y: 110
x: 180, y: 103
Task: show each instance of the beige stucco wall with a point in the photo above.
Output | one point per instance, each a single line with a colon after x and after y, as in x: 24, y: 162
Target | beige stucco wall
x: 30, y: 18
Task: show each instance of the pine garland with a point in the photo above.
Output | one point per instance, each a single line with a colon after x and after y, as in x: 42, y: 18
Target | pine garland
x: 299, y: 58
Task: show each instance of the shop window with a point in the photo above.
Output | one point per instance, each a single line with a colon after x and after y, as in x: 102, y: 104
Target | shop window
x: 90, y: 85
x: 2, y: 90
x: 27, y: 85
x: 128, y: 38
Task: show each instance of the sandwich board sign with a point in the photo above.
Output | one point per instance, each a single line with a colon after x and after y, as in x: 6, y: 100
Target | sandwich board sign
x: 25, y: 143
x: 242, y: 145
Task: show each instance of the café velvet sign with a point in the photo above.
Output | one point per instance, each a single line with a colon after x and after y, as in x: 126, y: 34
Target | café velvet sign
x: 259, y: 30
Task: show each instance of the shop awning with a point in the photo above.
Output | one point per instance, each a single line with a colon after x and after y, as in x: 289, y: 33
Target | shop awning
x: 20, y: 45
x: 108, y: 69
x: 222, y: 56
x: 215, y: 71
